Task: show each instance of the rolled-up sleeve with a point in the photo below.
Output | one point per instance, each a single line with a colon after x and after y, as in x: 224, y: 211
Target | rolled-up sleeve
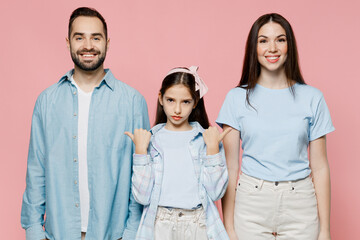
x: 142, y: 179
x: 215, y: 175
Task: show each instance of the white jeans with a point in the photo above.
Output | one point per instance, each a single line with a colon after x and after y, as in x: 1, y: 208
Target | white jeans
x: 286, y: 209
x: 180, y: 224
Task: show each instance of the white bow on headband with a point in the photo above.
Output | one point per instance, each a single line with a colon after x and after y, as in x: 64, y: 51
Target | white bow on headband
x: 199, y: 83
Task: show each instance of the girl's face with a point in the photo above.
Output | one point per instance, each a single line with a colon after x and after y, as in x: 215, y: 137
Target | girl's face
x: 272, y: 47
x: 178, y: 105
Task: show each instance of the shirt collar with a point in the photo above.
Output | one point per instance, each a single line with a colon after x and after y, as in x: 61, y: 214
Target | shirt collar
x: 108, y: 80
x: 195, y: 125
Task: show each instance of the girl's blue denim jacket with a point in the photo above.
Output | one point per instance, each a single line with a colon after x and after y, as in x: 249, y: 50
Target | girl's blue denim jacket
x: 211, y: 172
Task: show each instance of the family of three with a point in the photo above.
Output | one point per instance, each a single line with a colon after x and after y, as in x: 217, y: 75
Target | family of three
x: 97, y: 171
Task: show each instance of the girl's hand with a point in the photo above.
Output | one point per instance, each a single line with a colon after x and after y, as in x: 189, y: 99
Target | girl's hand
x: 141, y: 139
x: 212, y: 138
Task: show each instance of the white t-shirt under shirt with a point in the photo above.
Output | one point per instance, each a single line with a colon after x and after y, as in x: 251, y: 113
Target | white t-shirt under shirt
x: 179, y: 184
x: 84, y: 100
x: 275, y: 135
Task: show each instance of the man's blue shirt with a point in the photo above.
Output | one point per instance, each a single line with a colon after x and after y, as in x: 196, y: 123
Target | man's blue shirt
x: 53, y: 170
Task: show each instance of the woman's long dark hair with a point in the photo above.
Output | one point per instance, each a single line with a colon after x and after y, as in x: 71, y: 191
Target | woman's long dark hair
x: 251, y: 67
x: 198, y: 113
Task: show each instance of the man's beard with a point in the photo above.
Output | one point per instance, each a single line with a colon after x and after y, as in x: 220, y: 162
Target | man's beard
x: 88, y: 67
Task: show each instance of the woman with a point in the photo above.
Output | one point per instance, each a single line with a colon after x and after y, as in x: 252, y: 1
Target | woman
x: 277, y: 117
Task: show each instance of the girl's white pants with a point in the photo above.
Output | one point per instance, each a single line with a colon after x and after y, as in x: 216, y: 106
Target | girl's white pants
x: 180, y: 224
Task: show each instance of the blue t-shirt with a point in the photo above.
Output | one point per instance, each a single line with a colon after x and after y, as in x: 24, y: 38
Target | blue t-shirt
x: 276, y: 134
x: 179, y: 187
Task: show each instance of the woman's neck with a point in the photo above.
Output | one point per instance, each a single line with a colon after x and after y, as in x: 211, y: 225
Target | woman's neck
x: 273, y: 79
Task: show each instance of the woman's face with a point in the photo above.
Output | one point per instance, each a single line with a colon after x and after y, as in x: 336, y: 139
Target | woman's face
x: 272, y: 47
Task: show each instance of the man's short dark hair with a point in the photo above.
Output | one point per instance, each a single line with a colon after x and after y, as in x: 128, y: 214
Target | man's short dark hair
x: 86, y: 12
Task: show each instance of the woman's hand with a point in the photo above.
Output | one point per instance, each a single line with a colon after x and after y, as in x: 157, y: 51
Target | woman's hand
x: 212, y: 138
x: 324, y: 235
x: 321, y: 177
x: 141, y: 139
x: 232, y: 235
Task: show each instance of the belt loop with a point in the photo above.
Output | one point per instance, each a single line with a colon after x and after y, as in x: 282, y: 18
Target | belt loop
x: 292, y: 186
x: 261, y: 183
x: 165, y: 211
x: 162, y: 213
x: 196, y: 216
x: 199, y: 214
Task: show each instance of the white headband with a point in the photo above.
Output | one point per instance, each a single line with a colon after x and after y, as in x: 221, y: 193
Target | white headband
x: 199, y: 83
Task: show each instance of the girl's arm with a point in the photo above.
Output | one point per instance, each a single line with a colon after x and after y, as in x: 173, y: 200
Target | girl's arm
x: 142, y: 177
x: 232, y: 150
x: 321, y: 176
x: 214, y: 173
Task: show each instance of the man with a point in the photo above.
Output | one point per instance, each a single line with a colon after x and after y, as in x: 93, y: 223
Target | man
x: 80, y: 161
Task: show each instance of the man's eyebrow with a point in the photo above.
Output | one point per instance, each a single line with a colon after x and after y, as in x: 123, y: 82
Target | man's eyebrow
x: 78, y: 33
x: 97, y: 34
x: 82, y: 34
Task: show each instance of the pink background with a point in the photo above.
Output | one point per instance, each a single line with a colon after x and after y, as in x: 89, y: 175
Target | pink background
x: 150, y: 37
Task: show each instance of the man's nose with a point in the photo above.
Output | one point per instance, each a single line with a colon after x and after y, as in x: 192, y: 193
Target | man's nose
x: 88, y: 44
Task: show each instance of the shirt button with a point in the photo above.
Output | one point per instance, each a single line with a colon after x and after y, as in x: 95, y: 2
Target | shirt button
x: 75, y: 114
x: 74, y: 137
x: 75, y: 182
x: 75, y: 160
x: 76, y: 205
x: 74, y: 92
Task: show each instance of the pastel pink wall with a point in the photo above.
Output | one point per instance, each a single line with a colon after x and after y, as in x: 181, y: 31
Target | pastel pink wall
x: 150, y: 37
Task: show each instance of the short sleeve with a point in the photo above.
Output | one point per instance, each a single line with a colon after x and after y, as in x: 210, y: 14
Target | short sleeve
x: 320, y: 123
x: 229, y: 111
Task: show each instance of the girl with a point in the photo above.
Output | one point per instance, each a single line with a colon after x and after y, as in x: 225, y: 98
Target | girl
x: 277, y: 116
x: 184, y: 170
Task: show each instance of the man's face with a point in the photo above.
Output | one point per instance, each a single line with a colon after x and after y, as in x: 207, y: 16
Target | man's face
x: 87, y: 43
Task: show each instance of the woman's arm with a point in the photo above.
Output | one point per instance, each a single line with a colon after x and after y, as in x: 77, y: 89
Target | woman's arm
x: 321, y: 176
x: 232, y: 149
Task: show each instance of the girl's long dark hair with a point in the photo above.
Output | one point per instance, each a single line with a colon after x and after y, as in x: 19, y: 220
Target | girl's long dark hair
x: 198, y: 113
x: 251, y: 67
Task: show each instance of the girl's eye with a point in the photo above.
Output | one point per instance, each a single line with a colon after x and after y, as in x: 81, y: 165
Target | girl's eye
x: 262, y: 41
x: 282, y: 40
x: 169, y: 100
x: 187, y: 101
